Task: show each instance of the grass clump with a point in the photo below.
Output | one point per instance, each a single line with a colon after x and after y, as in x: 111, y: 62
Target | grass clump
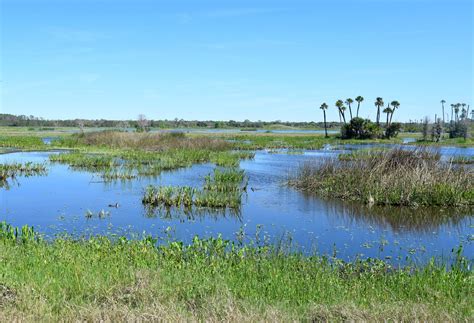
x: 212, y: 279
x: 222, y: 190
x: 392, y: 177
x: 13, y: 170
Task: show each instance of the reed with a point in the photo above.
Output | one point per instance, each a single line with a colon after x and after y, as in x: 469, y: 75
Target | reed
x: 13, y: 170
x: 393, y: 177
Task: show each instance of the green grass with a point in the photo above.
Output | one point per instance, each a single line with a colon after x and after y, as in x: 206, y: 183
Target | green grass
x: 22, y: 142
x: 222, y: 190
x: 212, y: 279
x: 392, y: 177
x: 13, y: 170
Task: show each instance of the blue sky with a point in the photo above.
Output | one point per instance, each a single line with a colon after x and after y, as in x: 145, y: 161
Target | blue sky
x: 221, y: 60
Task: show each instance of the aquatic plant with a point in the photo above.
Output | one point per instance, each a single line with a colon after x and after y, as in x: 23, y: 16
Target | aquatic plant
x: 13, y: 170
x: 394, y: 177
x: 222, y: 189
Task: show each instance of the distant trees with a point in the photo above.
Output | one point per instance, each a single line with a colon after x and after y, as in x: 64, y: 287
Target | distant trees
x: 359, y: 128
x: 142, y: 123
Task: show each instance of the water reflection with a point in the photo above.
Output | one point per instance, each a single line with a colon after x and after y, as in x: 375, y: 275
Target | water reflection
x: 399, y: 219
x: 191, y: 214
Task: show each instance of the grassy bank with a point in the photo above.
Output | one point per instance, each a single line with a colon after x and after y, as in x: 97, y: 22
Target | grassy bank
x: 391, y: 177
x: 214, y: 280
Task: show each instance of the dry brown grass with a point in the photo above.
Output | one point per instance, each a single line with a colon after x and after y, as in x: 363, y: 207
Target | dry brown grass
x: 148, y: 141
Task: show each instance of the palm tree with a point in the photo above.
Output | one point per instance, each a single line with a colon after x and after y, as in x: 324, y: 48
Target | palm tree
x: 378, y: 103
x: 340, y: 106
x: 388, y: 111
x: 349, y: 101
x: 442, y: 104
x: 359, y: 99
x: 395, y: 105
x: 452, y: 112
x: 324, y: 107
x: 456, y: 111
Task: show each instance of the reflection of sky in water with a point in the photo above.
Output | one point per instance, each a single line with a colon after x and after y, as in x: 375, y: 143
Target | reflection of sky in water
x: 58, y: 203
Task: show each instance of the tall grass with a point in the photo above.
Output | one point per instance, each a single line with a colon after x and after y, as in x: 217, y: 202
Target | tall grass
x: 144, y: 141
x: 222, y: 190
x: 392, y: 177
x: 104, y: 279
x: 13, y: 170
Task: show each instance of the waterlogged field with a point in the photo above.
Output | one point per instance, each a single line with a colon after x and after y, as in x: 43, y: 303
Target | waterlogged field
x: 114, y: 226
x: 79, y: 196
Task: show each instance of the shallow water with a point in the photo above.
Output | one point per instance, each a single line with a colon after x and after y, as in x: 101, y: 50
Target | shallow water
x: 58, y: 202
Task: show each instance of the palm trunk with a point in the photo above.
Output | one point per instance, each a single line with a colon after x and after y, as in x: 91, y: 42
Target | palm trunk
x: 358, y: 106
x: 378, y: 115
x: 350, y: 111
x: 443, y: 113
x: 387, y: 119
x: 325, y: 125
x: 343, y: 116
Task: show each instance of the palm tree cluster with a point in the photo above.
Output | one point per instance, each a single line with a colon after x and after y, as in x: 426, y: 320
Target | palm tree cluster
x: 342, y: 107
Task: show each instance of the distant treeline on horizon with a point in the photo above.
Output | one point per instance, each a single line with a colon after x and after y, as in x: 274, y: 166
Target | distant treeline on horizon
x: 32, y: 121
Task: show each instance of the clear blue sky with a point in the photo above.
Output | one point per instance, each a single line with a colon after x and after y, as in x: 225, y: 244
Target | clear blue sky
x: 232, y: 59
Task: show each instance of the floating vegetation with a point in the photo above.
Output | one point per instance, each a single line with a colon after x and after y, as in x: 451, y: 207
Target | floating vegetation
x: 394, y: 177
x: 222, y: 190
x: 79, y: 160
x: 230, y: 159
x: 101, y: 214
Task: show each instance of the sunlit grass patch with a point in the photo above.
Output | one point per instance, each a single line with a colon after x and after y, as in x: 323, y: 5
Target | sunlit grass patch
x: 394, y: 177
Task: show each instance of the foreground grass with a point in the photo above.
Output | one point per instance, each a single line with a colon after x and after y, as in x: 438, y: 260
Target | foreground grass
x: 214, y: 280
x: 389, y: 177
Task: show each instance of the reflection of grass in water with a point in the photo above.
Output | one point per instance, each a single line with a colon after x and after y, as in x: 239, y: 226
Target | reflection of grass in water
x: 101, y: 278
x: 399, y: 219
x: 394, y: 177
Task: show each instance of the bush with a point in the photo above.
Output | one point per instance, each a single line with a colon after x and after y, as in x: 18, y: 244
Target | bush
x: 359, y: 128
x: 392, y: 130
x: 458, y: 130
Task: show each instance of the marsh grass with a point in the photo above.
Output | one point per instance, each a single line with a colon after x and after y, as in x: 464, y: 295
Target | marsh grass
x: 22, y: 142
x: 121, y: 164
x: 13, y: 170
x: 393, y: 177
x: 110, y: 279
x: 146, y: 141
x: 223, y: 189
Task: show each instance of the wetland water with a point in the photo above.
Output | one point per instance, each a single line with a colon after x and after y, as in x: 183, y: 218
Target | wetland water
x: 58, y: 202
